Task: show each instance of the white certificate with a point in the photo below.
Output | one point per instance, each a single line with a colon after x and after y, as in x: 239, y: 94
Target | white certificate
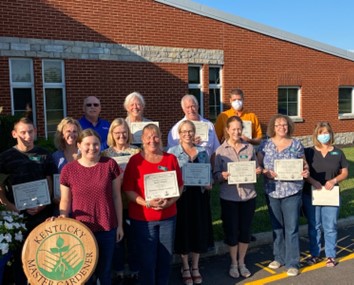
x: 324, y: 197
x: 201, y: 130
x: 122, y: 160
x: 288, y: 169
x: 136, y: 129
x: 31, y: 194
x: 241, y: 172
x: 247, y: 129
x: 56, y: 185
x: 196, y: 174
x: 161, y: 185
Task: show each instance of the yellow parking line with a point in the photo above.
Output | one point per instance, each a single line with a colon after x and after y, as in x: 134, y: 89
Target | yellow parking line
x: 283, y: 275
x: 265, y: 268
x: 344, y: 248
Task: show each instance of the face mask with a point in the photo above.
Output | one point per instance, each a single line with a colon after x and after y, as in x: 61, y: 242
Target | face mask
x: 324, y: 138
x: 237, y: 105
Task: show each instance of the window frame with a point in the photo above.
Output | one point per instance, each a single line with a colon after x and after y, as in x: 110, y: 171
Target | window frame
x: 198, y: 86
x: 347, y: 115
x: 51, y: 85
x: 22, y: 85
x: 217, y: 86
x: 297, y: 117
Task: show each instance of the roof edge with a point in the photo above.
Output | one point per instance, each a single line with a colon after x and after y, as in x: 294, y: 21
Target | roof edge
x: 238, y: 21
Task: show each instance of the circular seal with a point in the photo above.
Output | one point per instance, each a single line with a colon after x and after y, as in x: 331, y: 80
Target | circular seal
x: 62, y: 251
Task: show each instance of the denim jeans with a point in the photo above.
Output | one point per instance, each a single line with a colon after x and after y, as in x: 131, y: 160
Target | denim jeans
x: 154, y: 241
x: 325, y: 216
x: 284, y: 216
x: 106, y: 241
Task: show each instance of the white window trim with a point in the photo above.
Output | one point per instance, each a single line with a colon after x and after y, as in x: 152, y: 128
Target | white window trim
x: 53, y: 85
x: 218, y: 86
x: 198, y: 86
x: 298, y: 117
x: 23, y: 85
x: 344, y: 116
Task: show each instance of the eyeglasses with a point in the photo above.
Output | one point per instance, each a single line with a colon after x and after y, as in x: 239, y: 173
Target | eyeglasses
x: 281, y: 126
x: 187, y: 132
x: 92, y: 104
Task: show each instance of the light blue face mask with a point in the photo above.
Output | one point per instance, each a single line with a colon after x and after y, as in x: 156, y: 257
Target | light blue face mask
x: 324, y: 138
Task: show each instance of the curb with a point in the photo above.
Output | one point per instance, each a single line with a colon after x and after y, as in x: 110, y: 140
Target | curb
x: 261, y: 239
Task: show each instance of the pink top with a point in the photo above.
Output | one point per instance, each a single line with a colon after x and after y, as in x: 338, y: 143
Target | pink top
x: 92, y: 193
x: 134, y: 181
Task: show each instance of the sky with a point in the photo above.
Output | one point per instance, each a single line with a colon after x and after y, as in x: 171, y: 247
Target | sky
x: 326, y: 21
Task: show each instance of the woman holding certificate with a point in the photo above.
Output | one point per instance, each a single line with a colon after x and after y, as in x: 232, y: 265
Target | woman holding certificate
x: 328, y: 166
x: 91, y: 188
x: 283, y: 160
x: 238, y: 201
x: 152, y: 181
x: 118, y: 140
x: 194, y: 224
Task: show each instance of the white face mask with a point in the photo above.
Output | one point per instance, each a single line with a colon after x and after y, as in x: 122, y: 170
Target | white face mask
x: 237, y: 105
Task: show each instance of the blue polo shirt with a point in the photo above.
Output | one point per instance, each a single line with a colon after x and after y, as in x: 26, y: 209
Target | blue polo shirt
x: 102, y: 128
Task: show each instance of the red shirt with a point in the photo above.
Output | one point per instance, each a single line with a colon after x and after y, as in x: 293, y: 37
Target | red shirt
x: 134, y: 181
x: 92, y: 193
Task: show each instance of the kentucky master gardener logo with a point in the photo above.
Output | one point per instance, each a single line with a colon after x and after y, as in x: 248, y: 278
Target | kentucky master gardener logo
x: 60, y: 252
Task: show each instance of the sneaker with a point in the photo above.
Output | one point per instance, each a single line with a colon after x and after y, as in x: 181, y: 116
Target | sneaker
x: 233, y: 272
x: 274, y: 265
x: 292, y: 271
x: 244, y: 271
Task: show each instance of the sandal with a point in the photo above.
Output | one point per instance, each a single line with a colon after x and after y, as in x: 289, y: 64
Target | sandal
x: 186, y: 276
x: 313, y: 260
x: 233, y: 272
x: 197, y: 278
x: 244, y: 271
x: 331, y: 262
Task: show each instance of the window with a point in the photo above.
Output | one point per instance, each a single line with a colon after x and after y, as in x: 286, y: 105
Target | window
x: 289, y: 101
x: 195, y: 85
x: 214, y: 92
x: 22, y: 88
x: 54, y: 94
x: 345, y: 100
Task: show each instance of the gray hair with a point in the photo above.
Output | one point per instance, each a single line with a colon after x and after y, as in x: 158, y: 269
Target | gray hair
x: 191, y: 97
x: 131, y: 96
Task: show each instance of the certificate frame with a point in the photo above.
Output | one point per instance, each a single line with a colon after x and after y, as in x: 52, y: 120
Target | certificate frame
x: 56, y: 185
x: 122, y: 160
x: 201, y: 130
x: 196, y: 174
x: 31, y: 194
x: 289, y: 169
x: 136, y: 129
x: 247, y: 170
x: 161, y: 185
x: 247, y: 128
x: 324, y: 197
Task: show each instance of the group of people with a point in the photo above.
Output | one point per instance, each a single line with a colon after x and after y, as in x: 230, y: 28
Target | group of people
x: 107, y: 193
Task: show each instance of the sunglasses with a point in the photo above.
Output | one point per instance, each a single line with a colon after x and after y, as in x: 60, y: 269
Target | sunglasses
x: 92, y: 104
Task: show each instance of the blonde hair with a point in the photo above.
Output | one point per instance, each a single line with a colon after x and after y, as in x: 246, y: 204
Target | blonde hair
x: 318, y: 127
x: 118, y: 122
x: 59, y: 140
x: 152, y: 127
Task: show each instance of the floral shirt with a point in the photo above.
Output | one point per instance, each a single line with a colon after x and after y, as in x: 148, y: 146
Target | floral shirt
x: 276, y: 188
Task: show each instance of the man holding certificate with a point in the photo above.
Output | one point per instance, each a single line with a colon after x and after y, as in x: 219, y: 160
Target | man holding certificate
x: 194, y: 224
x: 29, y: 170
x: 207, y: 137
x: 328, y: 166
x: 237, y: 199
x: 153, y: 182
x: 282, y: 190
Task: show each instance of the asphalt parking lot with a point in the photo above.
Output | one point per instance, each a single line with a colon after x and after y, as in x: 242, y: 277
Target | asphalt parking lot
x: 214, y: 269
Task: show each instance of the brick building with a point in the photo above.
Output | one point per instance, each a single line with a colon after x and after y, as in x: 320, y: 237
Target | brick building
x: 54, y: 53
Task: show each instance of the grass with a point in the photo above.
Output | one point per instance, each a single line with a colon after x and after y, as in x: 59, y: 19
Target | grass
x: 261, y: 221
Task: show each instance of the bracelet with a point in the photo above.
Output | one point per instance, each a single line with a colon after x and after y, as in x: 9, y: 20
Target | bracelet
x: 147, y: 205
